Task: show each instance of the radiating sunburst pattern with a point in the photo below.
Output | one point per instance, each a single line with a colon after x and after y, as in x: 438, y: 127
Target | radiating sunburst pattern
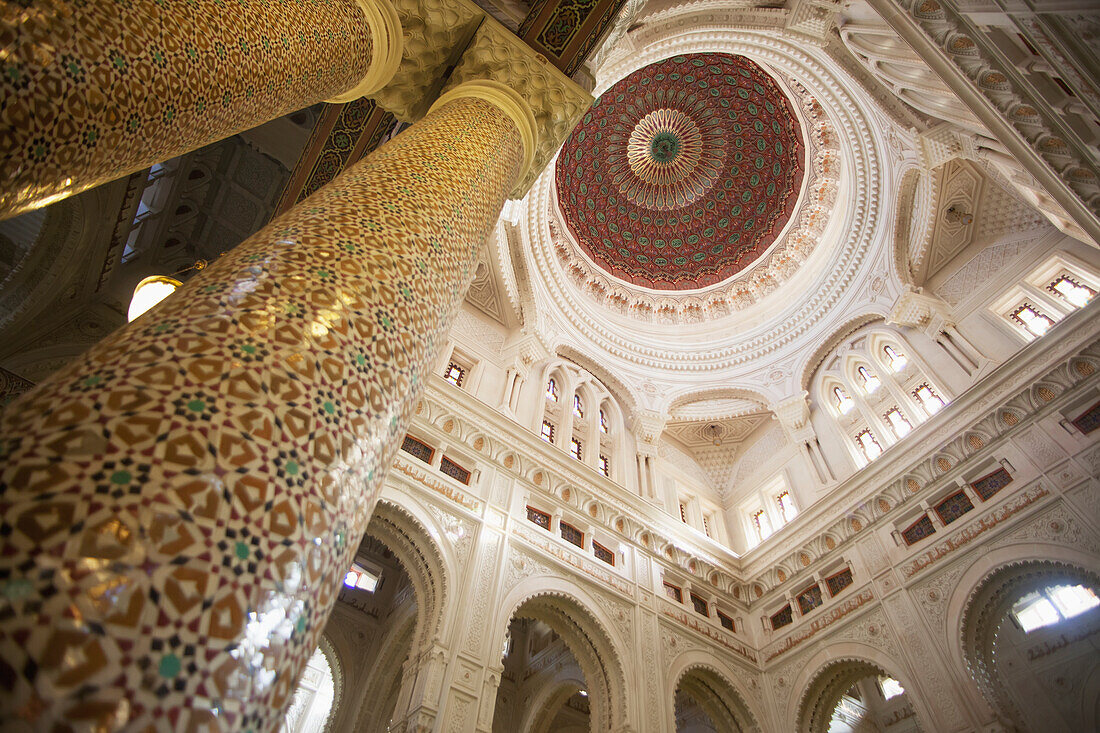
x: 672, y: 161
x: 683, y: 173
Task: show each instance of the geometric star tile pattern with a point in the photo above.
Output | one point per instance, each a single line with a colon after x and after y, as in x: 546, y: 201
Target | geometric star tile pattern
x: 683, y: 173
x: 97, y: 89
x: 179, y: 506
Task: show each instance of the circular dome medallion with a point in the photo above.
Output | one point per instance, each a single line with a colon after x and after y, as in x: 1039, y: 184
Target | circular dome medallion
x: 683, y: 173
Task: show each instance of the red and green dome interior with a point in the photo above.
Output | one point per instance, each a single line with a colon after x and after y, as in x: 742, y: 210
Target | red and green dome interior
x: 683, y: 173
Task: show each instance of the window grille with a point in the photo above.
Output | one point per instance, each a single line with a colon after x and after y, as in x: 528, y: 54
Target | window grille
x: 700, y: 605
x: 1089, y: 420
x: 674, y: 592
x: 706, y: 525
x: 726, y: 621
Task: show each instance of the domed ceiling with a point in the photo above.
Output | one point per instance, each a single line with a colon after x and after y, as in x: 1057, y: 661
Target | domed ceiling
x: 683, y: 173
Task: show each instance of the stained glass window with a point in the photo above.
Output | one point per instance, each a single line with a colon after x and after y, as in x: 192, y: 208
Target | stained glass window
x: 918, y: 530
x: 954, y: 507
x: 552, y: 390
x: 578, y: 406
x: 783, y: 617
x: 726, y: 621
x: 605, y: 466
x: 542, y: 519
x: 838, y: 582
x: 603, y: 422
x: 571, y: 534
x: 700, y: 605
x: 786, y: 506
x: 674, y: 592
x: 809, y: 599
x: 898, y: 422
x: 602, y: 553
x: 548, y: 431
x: 417, y: 449
x: 990, y: 484
x: 455, y: 471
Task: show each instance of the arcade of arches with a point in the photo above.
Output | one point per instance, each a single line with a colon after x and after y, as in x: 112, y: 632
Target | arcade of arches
x: 619, y: 365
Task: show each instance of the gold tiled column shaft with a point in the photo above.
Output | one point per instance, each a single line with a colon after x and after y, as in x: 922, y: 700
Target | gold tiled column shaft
x: 98, y: 89
x: 180, y: 505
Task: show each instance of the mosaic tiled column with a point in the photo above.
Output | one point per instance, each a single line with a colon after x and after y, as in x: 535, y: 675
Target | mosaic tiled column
x: 96, y: 89
x: 180, y: 505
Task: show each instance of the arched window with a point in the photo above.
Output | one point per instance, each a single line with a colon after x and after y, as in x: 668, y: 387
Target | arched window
x: 603, y: 421
x: 786, y: 506
x: 578, y: 406
x: 929, y: 400
x: 870, y: 381
x: 552, y: 390
x: 897, y: 360
x: 762, y: 524
x: 1071, y: 291
x: 843, y: 402
x: 898, y: 422
x: 867, y: 443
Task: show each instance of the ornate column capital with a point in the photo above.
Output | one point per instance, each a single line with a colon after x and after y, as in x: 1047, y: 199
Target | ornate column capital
x: 388, y: 44
x: 916, y: 309
x: 648, y: 426
x: 556, y: 101
x: 793, y: 414
x: 509, y: 102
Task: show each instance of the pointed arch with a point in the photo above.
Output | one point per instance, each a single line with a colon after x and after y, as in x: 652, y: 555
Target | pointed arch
x: 829, y: 673
x: 579, y: 621
x: 711, y: 686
